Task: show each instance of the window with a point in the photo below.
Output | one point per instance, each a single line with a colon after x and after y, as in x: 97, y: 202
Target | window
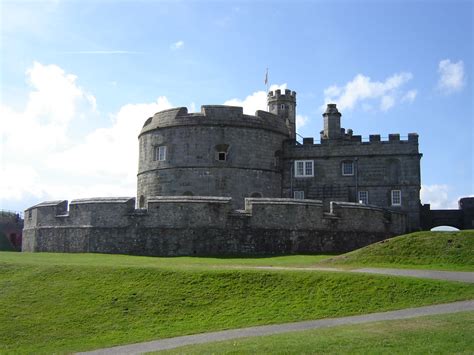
x: 221, y: 152
x: 396, y: 198
x: 347, y: 168
x: 282, y: 106
x: 141, y: 202
x: 298, y: 195
x: 160, y: 153
x: 364, y: 197
x: 304, y: 168
x: 256, y: 195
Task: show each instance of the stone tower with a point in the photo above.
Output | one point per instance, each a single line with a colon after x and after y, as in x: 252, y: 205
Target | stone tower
x: 332, y: 123
x: 284, y: 105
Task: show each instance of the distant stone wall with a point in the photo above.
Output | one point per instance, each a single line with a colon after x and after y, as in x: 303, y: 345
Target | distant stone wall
x: 182, y: 225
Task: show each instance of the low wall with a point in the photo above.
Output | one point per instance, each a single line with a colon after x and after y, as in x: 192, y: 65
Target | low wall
x: 194, y: 225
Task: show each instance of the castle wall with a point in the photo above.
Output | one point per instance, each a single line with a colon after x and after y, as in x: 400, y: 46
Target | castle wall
x: 182, y: 225
x: 379, y: 167
x: 193, y: 142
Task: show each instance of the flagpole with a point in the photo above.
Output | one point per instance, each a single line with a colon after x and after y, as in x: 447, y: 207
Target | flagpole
x: 268, y: 88
x: 266, y: 81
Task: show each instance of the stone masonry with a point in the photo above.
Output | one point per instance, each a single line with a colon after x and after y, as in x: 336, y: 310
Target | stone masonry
x: 220, y: 182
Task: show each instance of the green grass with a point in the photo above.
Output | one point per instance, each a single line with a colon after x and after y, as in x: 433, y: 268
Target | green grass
x: 426, y: 250
x: 81, y: 302
x: 161, y: 262
x: 443, y: 334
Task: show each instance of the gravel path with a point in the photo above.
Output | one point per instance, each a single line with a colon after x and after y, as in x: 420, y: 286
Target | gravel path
x: 463, y: 276
x: 171, y: 343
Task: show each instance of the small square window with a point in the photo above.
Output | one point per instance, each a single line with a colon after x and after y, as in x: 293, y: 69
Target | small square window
x: 364, y: 197
x: 396, y: 197
x: 304, y: 168
x: 160, y: 153
x: 298, y: 195
x: 347, y: 168
x: 222, y: 156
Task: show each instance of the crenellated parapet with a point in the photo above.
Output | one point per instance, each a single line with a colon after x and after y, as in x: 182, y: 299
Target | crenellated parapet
x: 188, y: 225
x: 214, y: 115
x: 288, y: 95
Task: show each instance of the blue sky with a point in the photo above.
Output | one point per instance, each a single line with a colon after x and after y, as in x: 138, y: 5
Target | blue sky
x: 79, y: 78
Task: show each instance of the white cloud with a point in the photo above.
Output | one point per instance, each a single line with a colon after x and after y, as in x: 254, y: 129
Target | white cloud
x: 177, y: 45
x: 387, y: 102
x: 301, y: 121
x: 451, y: 76
x: 42, y: 159
x: 255, y: 101
x: 362, y: 89
x: 437, y: 196
x: 410, y: 96
x: 102, y: 52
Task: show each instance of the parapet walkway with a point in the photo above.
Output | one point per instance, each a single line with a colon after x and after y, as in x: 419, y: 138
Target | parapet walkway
x: 176, y: 342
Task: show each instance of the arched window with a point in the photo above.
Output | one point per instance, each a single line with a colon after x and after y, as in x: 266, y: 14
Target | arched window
x: 256, y: 195
x: 188, y: 193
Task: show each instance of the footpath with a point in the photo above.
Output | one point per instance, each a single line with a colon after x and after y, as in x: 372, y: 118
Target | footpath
x: 171, y: 343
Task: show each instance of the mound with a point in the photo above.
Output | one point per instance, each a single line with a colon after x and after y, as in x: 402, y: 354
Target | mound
x: 436, y: 250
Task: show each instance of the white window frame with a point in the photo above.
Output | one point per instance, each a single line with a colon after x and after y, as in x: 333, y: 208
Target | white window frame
x: 304, y: 172
x: 364, y: 200
x: 394, y: 197
x: 347, y: 163
x: 160, y: 153
x: 298, y: 195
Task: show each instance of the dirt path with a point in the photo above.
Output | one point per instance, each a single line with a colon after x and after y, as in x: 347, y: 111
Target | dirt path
x: 171, y: 343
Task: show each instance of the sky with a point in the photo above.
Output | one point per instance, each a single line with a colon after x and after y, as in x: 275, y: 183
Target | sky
x: 79, y: 78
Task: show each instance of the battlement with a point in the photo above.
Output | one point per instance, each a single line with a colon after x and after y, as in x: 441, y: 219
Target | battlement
x: 358, y: 145
x: 373, y: 138
x: 188, y: 225
x: 214, y: 115
x: 277, y: 95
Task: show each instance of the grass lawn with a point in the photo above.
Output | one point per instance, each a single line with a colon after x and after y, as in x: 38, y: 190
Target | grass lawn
x: 422, y: 250
x: 443, y: 334
x: 161, y: 262
x: 67, y: 302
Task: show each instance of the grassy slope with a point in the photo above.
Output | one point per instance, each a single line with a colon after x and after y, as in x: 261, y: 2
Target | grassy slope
x: 61, y: 307
x: 444, y: 334
x: 172, y: 262
x: 430, y: 250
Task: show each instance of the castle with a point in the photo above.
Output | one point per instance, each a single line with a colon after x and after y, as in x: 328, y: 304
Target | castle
x: 223, y: 182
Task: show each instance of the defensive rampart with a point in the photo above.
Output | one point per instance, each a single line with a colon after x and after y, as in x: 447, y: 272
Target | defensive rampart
x: 185, y: 225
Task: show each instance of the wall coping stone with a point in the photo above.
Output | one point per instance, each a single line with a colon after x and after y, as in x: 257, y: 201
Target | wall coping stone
x: 47, y: 204
x: 102, y: 200
x: 189, y: 199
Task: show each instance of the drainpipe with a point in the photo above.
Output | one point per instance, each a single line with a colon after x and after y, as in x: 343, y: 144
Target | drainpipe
x: 357, y: 179
x: 291, y: 179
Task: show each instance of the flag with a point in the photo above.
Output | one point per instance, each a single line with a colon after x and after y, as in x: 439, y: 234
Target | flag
x: 266, y: 77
